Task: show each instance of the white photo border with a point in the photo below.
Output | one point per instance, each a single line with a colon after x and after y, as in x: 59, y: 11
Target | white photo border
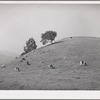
x: 49, y: 2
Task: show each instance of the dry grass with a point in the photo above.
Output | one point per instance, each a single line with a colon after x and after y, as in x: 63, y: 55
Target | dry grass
x: 64, y: 55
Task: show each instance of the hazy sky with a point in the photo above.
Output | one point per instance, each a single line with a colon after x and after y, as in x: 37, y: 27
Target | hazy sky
x: 20, y: 22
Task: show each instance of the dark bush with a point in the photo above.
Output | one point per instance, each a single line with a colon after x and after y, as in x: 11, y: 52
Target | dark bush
x: 30, y: 45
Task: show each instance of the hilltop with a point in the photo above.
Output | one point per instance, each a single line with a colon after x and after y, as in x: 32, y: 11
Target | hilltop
x: 67, y: 73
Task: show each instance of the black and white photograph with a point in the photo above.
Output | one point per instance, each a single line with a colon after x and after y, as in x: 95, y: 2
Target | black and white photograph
x: 49, y: 46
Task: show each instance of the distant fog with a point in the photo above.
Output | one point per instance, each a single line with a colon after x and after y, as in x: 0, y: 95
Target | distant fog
x: 20, y: 22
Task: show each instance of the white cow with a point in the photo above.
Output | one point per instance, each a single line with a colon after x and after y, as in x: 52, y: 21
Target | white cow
x: 51, y: 66
x: 17, y: 69
x: 2, y: 66
x: 83, y: 63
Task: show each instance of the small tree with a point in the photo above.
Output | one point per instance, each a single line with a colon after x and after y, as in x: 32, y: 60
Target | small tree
x: 48, y: 36
x: 30, y: 45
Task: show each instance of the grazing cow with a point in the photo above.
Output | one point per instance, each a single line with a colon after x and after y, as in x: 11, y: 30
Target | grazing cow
x: 28, y: 63
x: 83, y: 63
x: 23, y: 59
x: 71, y: 37
x: 51, y: 66
x: 17, y: 69
x: 2, y: 66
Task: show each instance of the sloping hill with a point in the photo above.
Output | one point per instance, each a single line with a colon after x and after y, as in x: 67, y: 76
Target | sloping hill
x: 8, y: 53
x: 6, y: 56
x: 66, y: 73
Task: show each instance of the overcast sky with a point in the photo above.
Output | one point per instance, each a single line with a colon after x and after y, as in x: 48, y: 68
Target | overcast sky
x: 20, y: 22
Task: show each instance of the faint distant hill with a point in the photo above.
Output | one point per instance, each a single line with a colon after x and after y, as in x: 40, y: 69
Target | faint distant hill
x: 6, y: 56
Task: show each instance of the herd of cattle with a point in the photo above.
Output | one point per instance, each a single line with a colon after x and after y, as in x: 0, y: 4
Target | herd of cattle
x: 81, y: 63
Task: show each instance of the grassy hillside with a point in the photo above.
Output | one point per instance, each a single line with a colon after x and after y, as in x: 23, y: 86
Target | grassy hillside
x: 67, y: 74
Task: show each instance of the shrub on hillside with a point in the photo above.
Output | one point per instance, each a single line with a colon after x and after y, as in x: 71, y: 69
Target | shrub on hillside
x: 30, y: 45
